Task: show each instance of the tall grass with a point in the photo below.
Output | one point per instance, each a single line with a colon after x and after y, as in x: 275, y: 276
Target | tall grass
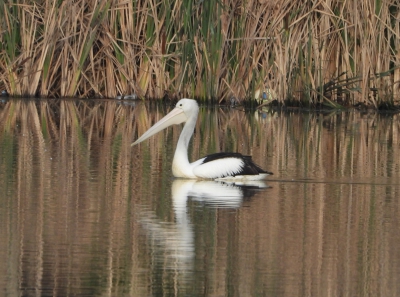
x: 308, y: 52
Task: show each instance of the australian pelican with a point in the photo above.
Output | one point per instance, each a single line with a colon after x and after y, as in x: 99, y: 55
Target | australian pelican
x: 218, y: 166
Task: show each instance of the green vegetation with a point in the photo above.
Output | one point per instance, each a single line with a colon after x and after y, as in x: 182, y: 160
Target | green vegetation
x: 306, y: 53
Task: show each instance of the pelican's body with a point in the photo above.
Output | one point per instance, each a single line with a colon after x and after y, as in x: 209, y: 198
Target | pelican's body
x: 221, y: 166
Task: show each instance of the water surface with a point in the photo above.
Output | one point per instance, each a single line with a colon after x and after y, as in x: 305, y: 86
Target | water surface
x: 85, y: 214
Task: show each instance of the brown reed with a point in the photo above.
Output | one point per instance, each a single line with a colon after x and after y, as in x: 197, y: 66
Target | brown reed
x: 307, y: 53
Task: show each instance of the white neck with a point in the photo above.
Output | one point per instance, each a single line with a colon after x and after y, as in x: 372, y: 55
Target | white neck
x: 180, y: 165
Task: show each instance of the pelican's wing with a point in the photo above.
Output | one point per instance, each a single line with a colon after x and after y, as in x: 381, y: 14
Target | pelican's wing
x: 218, y: 168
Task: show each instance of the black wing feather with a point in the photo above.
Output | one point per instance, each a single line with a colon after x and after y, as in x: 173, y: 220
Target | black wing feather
x: 249, y: 168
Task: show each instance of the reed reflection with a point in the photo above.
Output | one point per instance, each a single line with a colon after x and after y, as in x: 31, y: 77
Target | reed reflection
x: 84, y: 213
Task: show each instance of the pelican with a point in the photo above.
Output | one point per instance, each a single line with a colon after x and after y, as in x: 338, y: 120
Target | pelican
x: 218, y: 166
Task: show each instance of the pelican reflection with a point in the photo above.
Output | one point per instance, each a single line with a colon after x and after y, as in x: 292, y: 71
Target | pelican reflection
x: 173, y: 243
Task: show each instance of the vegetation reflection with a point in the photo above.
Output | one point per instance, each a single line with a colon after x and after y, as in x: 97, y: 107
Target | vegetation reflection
x: 83, y: 212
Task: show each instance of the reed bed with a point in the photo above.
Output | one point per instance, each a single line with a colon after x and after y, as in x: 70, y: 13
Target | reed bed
x: 330, y: 52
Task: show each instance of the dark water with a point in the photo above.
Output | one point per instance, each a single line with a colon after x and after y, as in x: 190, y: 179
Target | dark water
x: 84, y: 214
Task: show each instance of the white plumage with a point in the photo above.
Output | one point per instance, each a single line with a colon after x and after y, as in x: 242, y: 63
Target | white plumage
x: 223, y: 166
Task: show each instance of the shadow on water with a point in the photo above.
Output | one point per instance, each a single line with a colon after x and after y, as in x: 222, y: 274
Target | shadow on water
x: 84, y: 213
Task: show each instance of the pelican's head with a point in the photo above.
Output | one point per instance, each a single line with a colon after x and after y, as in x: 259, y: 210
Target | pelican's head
x: 184, y: 110
x: 189, y: 107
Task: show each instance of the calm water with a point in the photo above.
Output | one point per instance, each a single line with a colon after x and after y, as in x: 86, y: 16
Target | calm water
x: 85, y: 214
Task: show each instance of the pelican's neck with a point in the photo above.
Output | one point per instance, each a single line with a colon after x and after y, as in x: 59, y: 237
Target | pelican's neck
x: 180, y: 165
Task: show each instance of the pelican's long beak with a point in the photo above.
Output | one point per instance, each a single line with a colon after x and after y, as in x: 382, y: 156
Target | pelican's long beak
x: 175, y: 117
